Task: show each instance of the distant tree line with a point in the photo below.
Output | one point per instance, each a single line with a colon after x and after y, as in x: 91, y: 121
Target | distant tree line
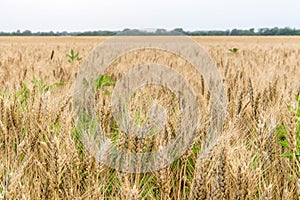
x: 177, y: 31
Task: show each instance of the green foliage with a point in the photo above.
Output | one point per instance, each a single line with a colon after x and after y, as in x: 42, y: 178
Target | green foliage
x: 85, y: 83
x: 23, y: 95
x: 84, y: 123
x: 298, y: 128
x: 283, y: 141
x: 234, y: 50
x: 73, y: 56
x: 282, y: 134
x: 42, y: 87
x: 104, y: 81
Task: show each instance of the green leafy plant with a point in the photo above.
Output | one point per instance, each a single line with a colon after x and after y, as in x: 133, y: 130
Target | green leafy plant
x: 73, y: 56
x: 41, y: 86
x: 234, y: 50
x: 23, y: 95
x: 104, y: 81
x: 297, y: 110
x: 282, y: 133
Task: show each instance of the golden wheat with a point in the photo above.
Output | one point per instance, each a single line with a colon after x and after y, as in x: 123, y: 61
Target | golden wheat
x: 42, y: 156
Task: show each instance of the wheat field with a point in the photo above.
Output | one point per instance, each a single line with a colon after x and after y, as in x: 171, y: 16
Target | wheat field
x: 256, y: 157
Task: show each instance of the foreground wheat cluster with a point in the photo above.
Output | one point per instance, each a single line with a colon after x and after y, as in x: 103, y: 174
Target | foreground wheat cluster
x: 256, y: 156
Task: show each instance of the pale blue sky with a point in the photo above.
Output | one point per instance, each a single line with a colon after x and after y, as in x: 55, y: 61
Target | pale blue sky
x: 78, y: 15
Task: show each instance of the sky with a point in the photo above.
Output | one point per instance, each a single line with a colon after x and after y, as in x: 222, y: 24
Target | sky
x: 78, y: 15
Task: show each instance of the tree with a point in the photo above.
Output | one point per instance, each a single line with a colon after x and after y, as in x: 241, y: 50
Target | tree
x: 27, y: 33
